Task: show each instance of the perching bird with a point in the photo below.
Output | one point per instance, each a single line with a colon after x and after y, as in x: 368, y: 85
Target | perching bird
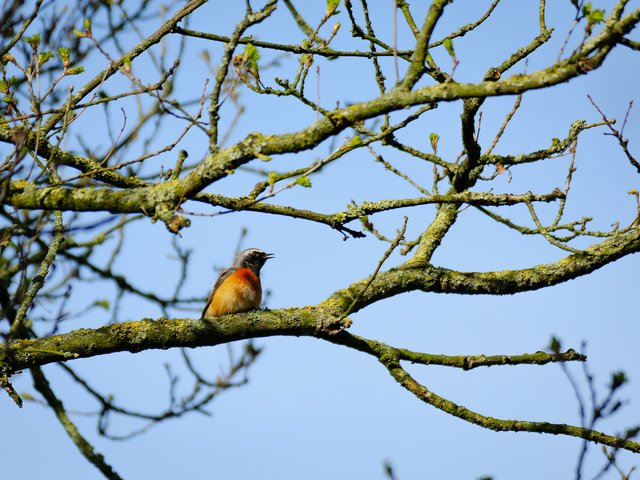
x: 238, y: 288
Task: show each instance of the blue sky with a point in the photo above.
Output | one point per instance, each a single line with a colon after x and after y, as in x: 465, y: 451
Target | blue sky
x: 316, y: 410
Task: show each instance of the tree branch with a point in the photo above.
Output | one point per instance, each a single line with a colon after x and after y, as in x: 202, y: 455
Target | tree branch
x: 392, y: 363
x: 164, y: 333
x: 41, y: 384
x: 415, y: 275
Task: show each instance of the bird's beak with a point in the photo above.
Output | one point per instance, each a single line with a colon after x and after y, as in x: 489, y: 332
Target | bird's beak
x: 267, y: 256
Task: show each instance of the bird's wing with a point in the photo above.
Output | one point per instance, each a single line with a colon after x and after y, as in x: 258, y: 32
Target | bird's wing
x: 221, y: 278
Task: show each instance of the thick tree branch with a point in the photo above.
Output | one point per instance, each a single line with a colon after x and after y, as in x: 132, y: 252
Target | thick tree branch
x: 122, y: 201
x: 43, y: 133
x: 161, y: 201
x: 428, y: 278
x: 218, y: 166
x: 421, y: 53
x: 164, y: 333
x: 309, y: 321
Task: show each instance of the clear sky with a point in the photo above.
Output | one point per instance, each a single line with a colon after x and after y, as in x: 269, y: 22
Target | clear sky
x: 314, y: 410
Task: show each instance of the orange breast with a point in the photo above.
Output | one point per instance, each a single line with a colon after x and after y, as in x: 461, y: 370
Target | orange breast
x: 239, y: 292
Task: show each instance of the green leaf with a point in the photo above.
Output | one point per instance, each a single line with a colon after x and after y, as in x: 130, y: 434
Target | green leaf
x: 44, y: 57
x: 448, y: 45
x: 87, y: 25
x: 263, y: 157
x: 205, y: 55
x: 6, y: 58
x: 126, y: 63
x: 595, y: 16
x: 617, y: 380
x: 102, y: 304
x: 65, y: 55
x: 434, y: 138
x: 632, y: 432
x: 74, y: 71
x: 27, y: 396
x: 354, y: 141
x: 332, y: 6
x: 555, y: 345
x: 33, y: 40
x: 272, y: 178
x: 303, y: 181
x: 306, y: 59
x: 251, y: 57
x: 4, y: 88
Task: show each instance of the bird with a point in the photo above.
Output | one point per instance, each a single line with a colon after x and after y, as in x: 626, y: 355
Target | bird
x: 237, y: 288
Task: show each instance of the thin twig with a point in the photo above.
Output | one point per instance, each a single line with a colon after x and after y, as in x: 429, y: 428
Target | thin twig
x: 385, y: 256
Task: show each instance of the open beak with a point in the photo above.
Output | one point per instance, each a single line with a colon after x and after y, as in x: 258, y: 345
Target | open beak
x: 267, y: 256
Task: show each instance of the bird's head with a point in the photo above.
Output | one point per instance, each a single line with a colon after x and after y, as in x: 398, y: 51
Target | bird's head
x: 252, y: 258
